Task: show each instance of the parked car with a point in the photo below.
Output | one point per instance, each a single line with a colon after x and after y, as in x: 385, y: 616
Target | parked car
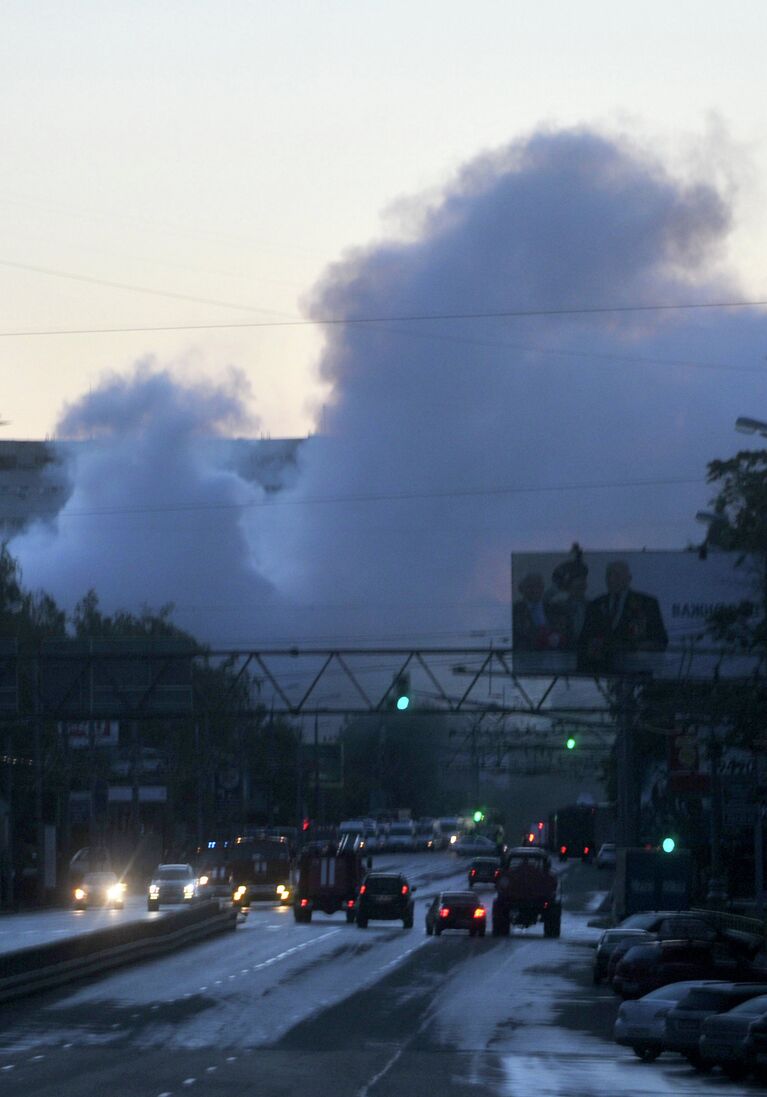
x: 612, y: 939
x: 400, y: 837
x: 484, y: 870
x: 681, y: 925
x: 386, y: 896
x: 684, y: 1023
x: 456, y: 910
x: 647, y: 966
x: 641, y: 1022
x: 99, y: 889
x: 606, y: 856
x: 172, y: 884
x: 755, y: 1048
x: 723, y: 1037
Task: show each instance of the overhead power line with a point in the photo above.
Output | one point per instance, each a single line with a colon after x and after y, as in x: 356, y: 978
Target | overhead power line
x: 361, y: 321
x: 450, y: 493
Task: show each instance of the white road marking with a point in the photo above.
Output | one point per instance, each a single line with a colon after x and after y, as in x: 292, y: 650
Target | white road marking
x: 10, y: 1066
x: 210, y: 1070
x: 381, y: 1073
x: 189, y: 1081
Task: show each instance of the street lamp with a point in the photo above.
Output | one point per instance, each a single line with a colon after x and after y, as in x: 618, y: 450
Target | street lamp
x: 751, y: 426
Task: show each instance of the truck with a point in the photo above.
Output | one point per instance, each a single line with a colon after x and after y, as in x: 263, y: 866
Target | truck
x: 648, y: 879
x: 572, y: 831
x: 329, y: 876
x: 246, y: 869
x: 527, y: 891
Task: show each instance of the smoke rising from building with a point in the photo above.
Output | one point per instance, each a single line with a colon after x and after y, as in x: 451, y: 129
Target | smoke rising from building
x: 446, y: 443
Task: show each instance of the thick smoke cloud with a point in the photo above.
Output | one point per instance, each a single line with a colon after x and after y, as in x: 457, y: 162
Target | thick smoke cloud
x: 446, y: 444
x: 436, y: 418
x: 152, y: 517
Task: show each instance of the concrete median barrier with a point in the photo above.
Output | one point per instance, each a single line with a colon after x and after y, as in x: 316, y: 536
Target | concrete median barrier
x: 42, y: 967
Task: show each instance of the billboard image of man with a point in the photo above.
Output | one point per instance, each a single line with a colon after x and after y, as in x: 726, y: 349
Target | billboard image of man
x: 619, y: 622
x: 535, y: 628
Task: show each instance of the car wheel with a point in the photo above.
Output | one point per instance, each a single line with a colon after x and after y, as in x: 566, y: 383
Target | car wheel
x: 407, y: 923
x: 597, y: 978
x: 429, y: 931
x: 735, y: 1071
x: 437, y: 930
x: 481, y: 932
x: 350, y: 916
x: 152, y: 904
x: 472, y: 933
x: 362, y: 922
x: 645, y: 1053
x: 697, y: 1062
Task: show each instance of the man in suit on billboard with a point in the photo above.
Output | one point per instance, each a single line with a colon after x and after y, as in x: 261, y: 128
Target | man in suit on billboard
x: 619, y: 622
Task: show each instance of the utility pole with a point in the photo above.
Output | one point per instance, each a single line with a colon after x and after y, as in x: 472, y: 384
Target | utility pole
x: 627, y: 806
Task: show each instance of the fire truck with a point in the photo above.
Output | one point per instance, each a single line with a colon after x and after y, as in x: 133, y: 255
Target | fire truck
x: 329, y: 876
x: 246, y: 869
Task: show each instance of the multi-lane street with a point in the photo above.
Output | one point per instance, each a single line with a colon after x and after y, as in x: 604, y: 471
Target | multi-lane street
x: 330, y: 1009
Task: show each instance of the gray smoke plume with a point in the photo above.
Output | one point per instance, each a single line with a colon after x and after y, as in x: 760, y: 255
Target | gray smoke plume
x: 446, y: 443
x: 152, y: 517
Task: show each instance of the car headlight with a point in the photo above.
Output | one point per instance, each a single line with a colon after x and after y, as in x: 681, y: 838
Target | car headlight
x: 115, y: 893
x: 453, y: 839
x: 239, y: 893
x: 154, y: 891
x: 188, y: 891
x: 202, y: 881
x: 79, y: 894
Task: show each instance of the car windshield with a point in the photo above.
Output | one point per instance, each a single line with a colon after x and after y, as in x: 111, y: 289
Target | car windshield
x: 100, y: 879
x: 459, y: 898
x: 703, y: 998
x: 173, y: 872
x: 753, y: 1005
x: 384, y: 885
x: 672, y: 992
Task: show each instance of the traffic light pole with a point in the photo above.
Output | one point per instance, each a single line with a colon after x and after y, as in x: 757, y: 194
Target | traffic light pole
x: 627, y: 813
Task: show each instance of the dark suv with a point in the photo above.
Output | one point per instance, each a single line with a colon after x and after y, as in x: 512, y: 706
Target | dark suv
x: 387, y: 896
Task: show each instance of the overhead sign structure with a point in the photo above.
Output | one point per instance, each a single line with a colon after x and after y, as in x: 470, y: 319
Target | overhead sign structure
x: 628, y: 612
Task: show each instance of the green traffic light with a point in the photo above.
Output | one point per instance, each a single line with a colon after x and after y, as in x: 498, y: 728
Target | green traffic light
x: 478, y: 816
x: 668, y: 845
x: 402, y: 703
x: 570, y: 744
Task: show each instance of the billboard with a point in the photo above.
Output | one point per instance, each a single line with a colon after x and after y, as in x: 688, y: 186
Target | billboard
x: 627, y: 612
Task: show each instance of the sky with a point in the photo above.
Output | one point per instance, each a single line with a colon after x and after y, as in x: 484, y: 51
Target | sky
x: 196, y: 167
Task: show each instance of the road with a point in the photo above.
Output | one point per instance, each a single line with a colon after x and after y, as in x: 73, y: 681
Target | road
x: 38, y: 927
x: 334, y: 1011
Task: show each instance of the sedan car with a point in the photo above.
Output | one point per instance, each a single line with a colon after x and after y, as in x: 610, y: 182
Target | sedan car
x: 606, y: 856
x: 609, y: 942
x: 641, y: 1023
x: 645, y: 967
x: 99, y: 889
x: 723, y: 1037
x: 172, y: 884
x: 456, y: 910
x: 386, y: 896
x: 484, y: 870
x: 684, y: 1023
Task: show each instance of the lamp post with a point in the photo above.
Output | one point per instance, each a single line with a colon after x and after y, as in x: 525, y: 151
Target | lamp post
x: 745, y: 425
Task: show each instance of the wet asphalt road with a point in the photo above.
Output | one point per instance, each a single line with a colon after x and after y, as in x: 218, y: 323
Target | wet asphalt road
x: 333, y: 1011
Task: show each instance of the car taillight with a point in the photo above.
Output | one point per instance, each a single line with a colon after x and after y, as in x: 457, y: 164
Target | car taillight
x: 405, y: 889
x: 473, y: 872
x: 585, y: 849
x: 304, y: 902
x: 496, y: 874
x: 479, y: 912
x: 563, y: 849
x: 350, y: 902
x: 444, y: 912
